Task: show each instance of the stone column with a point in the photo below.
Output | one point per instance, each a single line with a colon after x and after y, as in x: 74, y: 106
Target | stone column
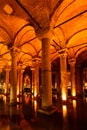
x: 72, y: 70
x: 63, y: 72
x: 33, y: 77
x: 78, y: 81
x: 13, y: 87
x: 7, y: 80
x: 36, y: 77
x: 20, y: 79
x: 46, y: 73
x: 57, y: 82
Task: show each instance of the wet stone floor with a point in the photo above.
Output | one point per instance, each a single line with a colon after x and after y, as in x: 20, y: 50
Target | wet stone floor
x: 24, y: 116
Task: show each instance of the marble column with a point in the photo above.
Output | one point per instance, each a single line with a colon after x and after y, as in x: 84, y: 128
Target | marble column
x: 36, y: 77
x: 7, y: 80
x: 46, y: 73
x: 57, y: 82
x: 72, y: 76
x: 63, y: 72
x: 78, y: 81
x: 13, y: 87
x: 20, y: 79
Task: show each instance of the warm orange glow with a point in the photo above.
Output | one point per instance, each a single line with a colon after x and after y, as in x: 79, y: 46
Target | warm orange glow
x: 64, y: 110
x: 35, y: 105
x: 17, y: 90
x: 74, y: 103
x: 63, y: 96
x: 73, y: 92
x: 35, y: 92
x: 27, y: 99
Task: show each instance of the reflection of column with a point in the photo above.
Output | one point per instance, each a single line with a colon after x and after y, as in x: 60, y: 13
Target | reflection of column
x: 46, y: 73
x: 72, y: 69
x: 7, y: 80
x: 36, y: 77
x: 13, y: 87
x: 63, y: 71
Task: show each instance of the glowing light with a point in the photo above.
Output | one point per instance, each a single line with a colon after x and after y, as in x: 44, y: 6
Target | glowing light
x: 64, y: 110
x: 73, y: 92
x: 17, y: 90
x: 74, y: 103
x: 35, y: 92
x: 27, y: 99
x: 35, y: 105
x: 63, y: 96
x: 35, y: 108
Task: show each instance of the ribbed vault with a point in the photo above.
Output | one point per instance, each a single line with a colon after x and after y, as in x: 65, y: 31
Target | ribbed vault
x: 29, y: 19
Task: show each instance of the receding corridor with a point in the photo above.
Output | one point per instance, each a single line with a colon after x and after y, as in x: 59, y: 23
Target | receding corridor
x: 43, y: 64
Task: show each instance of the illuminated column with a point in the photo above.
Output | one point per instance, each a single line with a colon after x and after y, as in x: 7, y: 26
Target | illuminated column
x: 7, y: 80
x: 13, y: 87
x: 21, y: 81
x: 33, y: 79
x: 46, y: 73
x: 36, y: 77
x: 18, y: 80
x: 57, y: 82
x: 78, y: 80
x: 72, y: 69
x: 63, y: 71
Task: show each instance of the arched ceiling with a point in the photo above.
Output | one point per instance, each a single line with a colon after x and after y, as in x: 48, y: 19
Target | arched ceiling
x: 21, y: 21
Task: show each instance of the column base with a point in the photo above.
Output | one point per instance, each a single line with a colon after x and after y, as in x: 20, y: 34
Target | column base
x: 47, y: 110
x: 12, y: 103
x: 64, y: 102
x: 73, y: 97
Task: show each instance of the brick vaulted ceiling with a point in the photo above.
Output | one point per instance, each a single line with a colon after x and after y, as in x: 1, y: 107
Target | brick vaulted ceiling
x: 21, y: 21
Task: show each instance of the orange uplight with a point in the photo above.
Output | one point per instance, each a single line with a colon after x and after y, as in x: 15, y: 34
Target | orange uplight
x: 74, y: 92
x: 63, y: 96
x: 35, y: 92
x: 35, y: 105
x: 17, y: 90
x: 74, y: 103
x: 64, y: 110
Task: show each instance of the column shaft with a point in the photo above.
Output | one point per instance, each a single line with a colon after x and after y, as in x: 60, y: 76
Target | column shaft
x: 63, y: 71
x: 13, y: 88
x: 46, y: 73
x: 72, y: 69
x: 7, y: 80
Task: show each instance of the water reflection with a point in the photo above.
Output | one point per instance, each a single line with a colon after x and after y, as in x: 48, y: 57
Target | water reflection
x: 35, y: 108
x: 64, y: 111
x: 74, y: 104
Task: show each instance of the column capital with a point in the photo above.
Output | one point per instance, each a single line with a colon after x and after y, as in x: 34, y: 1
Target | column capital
x: 62, y: 53
x: 7, y: 68
x: 14, y: 51
x: 72, y: 61
x: 36, y: 60
x: 48, y: 33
